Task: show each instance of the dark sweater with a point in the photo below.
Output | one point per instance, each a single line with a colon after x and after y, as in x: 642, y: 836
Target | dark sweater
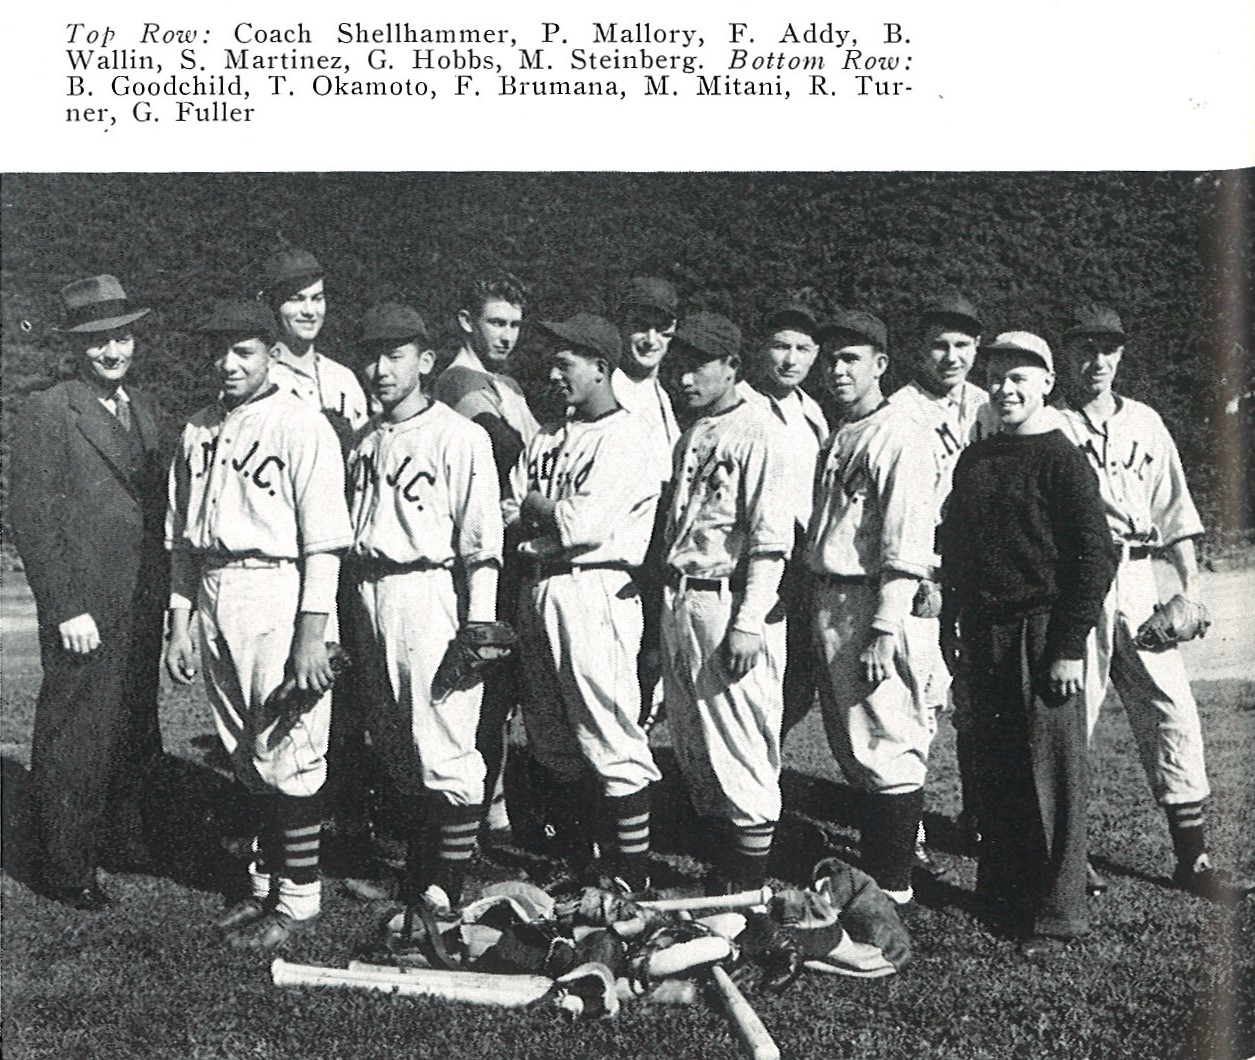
x: 1025, y: 532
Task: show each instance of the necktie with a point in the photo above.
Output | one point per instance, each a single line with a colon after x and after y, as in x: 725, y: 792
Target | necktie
x: 122, y: 410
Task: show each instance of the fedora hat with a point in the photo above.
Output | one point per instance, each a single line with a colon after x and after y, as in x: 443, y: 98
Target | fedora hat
x: 98, y: 303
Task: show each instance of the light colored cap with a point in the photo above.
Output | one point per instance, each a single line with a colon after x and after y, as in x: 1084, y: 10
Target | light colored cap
x: 1022, y: 342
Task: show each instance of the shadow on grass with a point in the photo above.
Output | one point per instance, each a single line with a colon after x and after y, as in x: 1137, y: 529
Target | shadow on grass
x: 186, y: 811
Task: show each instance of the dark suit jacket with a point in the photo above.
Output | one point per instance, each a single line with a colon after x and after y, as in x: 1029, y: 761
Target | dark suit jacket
x: 87, y: 514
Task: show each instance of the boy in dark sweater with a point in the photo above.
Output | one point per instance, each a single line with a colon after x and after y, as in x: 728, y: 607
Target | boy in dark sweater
x: 1027, y: 560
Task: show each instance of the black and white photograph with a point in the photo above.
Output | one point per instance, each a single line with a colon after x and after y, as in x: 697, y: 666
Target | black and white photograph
x: 785, y: 613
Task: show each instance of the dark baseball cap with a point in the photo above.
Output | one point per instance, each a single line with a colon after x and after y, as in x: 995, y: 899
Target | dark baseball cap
x: 650, y: 292
x: 1095, y: 320
x: 952, y: 306
x: 392, y: 322
x: 858, y: 323
x: 288, y: 266
x: 790, y: 315
x: 707, y: 336
x: 231, y: 316
x: 588, y: 332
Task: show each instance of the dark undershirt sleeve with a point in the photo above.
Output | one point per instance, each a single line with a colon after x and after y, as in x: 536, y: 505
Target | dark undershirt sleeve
x: 507, y: 444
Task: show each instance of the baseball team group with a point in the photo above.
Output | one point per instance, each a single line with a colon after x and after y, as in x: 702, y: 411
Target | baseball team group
x: 724, y: 551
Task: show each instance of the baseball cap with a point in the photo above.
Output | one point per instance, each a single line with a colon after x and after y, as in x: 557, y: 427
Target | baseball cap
x: 859, y: 323
x: 1022, y: 342
x: 651, y: 292
x: 707, y: 336
x: 392, y: 322
x: 239, y: 317
x: 287, y: 265
x: 1095, y: 320
x: 589, y: 332
x: 951, y: 305
x: 790, y: 315
x: 98, y: 303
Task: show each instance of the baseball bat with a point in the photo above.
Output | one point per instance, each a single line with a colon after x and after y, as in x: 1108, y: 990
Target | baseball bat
x: 685, y: 956
x: 740, y: 900
x: 475, y: 988
x: 754, y: 1036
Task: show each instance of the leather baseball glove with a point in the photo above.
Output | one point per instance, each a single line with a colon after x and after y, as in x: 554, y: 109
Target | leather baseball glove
x: 288, y: 703
x: 1173, y: 623
x: 477, y: 648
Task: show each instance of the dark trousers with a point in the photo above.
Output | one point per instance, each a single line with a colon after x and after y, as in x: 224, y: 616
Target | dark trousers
x: 1029, y: 767
x: 95, y: 746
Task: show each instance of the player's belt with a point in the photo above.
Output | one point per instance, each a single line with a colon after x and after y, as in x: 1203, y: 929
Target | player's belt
x: 218, y: 560
x: 681, y: 582
x: 844, y: 579
x: 542, y: 569
x: 371, y: 568
x: 1130, y: 548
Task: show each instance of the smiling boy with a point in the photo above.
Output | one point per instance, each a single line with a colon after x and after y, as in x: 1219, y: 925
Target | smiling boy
x: 583, y: 500
x: 255, y: 523
x: 1027, y: 561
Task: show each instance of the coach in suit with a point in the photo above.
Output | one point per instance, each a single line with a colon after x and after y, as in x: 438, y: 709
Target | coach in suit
x: 87, y: 495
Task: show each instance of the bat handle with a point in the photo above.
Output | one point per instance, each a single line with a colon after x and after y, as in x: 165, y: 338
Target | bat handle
x: 753, y: 1034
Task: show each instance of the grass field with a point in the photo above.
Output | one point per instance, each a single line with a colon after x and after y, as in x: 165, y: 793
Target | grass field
x: 1163, y: 975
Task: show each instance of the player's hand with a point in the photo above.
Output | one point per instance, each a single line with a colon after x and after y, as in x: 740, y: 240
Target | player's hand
x: 1067, y: 677
x: 180, y: 657
x: 79, y: 635
x: 310, y: 665
x: 536, y: 511
x: 740, y: 652
x: 877, y: 657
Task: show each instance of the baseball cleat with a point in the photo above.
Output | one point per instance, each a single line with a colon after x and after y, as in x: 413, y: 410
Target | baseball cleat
x: 240, y: 914
x: 272, y: 931
x: 1216, y: 885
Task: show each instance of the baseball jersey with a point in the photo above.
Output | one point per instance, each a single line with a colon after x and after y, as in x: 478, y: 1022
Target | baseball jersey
x: 263, y: 479
x: 956, y: 422
x: 1139, y: 471
x: 470, y: 389
x: 872, y: 475
x: 730, y: 500
x: 321, y: 383
x: 425, y: 490
x: 807, y: 429
x: 646, y: 399
x: 606, y: 494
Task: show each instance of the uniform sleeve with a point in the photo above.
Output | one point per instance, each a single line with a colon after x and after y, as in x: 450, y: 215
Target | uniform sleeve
x: 38, y: 508
x: 515, y: 487
x: 767, y: 513
x: 1085, y: 556
x: 317, y: 475
x: 617, y: 482
x: 476, y: 501
x: 906, y: 477
x: 357, y: 409
x: 1171, y: 506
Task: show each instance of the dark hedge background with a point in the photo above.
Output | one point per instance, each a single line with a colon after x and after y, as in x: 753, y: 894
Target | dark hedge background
x: 1171, y: 251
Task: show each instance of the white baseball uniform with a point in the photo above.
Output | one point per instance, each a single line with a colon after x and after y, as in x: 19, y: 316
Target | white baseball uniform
x: 321, y: 383
x: 646, y: 399
x: 253, y: 491
x: 869, y: 521
x: 424, y: 499
x: 730, y: 504
x: 1148, y: 506
x: 580, y: 621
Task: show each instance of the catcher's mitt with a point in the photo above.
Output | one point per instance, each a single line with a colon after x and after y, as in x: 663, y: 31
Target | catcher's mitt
x: 477, y: 648
x: 288, y: 702
x: 1173, y: 623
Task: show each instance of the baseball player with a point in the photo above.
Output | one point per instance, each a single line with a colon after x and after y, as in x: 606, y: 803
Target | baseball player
x: 255, y: 522
x: 424, y: 499
x: 782, y: 361
x: 1027, y: 562
x: 293, y: 283
x: 583, y: 501
x: 729, y: 528
x: 957, y: 412
x: 869, y: 543
x: 477, y: 384
x: 1149, y: 512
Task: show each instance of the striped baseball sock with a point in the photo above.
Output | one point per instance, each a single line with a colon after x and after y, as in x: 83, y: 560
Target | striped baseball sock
x: 459, y: 827
x: 299, y: 820
x: 1188, y: 824
x: 630, y: 814
x: 749, y: 858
